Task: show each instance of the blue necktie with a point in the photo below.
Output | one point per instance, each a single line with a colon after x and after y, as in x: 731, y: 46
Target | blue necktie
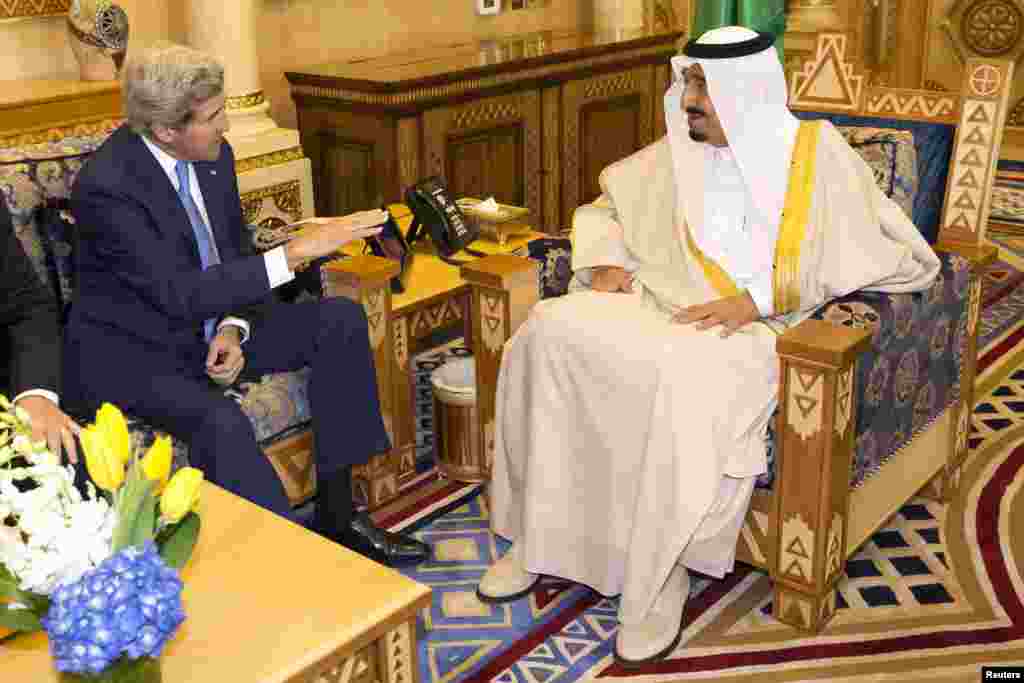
x: 208, y: 255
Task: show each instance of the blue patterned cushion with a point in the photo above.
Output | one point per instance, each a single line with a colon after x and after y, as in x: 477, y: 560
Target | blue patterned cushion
x: 31, y: 175
x: 277, y: 405
x: 933, y: 145
x: 891, y: 156
x: 902, y: 384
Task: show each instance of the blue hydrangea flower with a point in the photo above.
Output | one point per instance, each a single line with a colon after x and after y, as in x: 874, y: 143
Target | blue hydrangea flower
x: 130, y: 606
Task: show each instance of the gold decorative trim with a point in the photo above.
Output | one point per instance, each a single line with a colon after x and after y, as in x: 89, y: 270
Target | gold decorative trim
x: 399, y: 652
x: 473, y: 85
x: 374, y: 302
x: 492, y: 321
x: 267, y: 160
x: 794, y: 609
x: 834, y: 550
x: 271, y: 191
x: 426, y: 320
x: 400, y: 339
x: 9, y: 9
x: 795, y: 214
x: 844, y: 401
x: 408, y: 151
x: 806, y: 391
x: 797, y: 549
x: 828, y: 81
x: 961, y: 432
x: 58, y: 133
x: 488, y: 446
x: 917, y: 104
x: 245, y: 101
x: 975, y: 307
x: 750, y: 538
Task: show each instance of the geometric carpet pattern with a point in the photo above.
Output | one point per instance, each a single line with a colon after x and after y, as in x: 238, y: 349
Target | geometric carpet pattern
x: 939, y: 589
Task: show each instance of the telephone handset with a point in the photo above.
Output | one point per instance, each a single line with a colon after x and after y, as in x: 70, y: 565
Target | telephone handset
x: 434, y: 211
x: 390, y: 243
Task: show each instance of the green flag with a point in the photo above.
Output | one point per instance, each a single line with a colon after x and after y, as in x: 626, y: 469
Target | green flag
x: 758, y: 15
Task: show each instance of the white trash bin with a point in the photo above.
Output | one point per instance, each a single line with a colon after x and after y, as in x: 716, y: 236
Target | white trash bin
x: 456, y: 430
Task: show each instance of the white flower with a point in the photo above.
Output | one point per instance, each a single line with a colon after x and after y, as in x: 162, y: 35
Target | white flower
x: 58, y: 535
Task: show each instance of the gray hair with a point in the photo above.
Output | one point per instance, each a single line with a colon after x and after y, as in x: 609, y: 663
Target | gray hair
x: 163, y: 83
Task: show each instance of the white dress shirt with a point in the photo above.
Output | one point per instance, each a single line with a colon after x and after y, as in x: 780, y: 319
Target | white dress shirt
x: 728, y: 215
x: 278, y: 272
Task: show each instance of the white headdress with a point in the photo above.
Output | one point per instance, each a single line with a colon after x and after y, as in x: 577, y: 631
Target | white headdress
x: 747, y: 86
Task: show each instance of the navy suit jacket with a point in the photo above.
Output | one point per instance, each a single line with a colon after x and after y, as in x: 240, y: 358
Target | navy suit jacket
x: 142, y: 294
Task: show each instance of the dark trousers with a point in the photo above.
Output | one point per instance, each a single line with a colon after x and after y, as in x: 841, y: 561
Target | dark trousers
x: 330, y: 336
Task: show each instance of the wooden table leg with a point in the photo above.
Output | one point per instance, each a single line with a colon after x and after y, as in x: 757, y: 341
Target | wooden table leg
x: 504, y: 289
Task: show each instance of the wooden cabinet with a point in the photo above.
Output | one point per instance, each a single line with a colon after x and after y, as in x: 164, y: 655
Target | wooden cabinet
x: 489, y: 146
x: 530, y: 120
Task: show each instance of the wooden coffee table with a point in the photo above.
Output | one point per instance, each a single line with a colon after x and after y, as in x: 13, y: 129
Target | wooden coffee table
x: 267, y: 601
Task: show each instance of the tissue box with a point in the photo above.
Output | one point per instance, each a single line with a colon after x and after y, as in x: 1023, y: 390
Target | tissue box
x: 499, y: 226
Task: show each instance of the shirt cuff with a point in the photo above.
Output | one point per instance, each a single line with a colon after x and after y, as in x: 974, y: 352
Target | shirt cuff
x: 242, y: 325
x: 277, y: 267
x: 45, y: 393
x: 760, y: 291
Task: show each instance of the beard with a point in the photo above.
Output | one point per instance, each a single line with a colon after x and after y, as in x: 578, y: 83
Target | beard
x: 697, y: 136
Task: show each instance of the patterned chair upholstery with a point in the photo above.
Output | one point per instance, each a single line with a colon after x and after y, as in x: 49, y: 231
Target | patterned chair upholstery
x: 35, y: 181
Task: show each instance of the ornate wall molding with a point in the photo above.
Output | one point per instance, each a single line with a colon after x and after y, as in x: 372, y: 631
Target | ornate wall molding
x: 266, y: 160
x: 59, y: 133
x: 10, y: 9
x: 992, y: 28
x: 985, y: 28
x: 243, y: 101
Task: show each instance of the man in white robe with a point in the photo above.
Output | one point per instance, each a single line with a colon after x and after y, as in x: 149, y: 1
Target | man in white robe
x: 631, y: 413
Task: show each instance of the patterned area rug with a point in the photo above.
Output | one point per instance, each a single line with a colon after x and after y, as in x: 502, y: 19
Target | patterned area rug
x: 934, y: 595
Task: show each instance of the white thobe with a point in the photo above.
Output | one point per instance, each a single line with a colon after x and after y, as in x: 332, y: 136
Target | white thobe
x: 554, y: 451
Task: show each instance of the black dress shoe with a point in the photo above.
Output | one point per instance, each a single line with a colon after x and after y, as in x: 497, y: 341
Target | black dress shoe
x: 384, y: 546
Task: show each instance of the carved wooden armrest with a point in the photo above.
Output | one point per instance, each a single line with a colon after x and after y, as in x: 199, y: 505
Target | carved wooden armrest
x: 504, y: 289
x: 366, y: 280
x: 815, y: 439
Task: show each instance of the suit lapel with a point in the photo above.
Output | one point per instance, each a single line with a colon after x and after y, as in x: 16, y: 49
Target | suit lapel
x: 168, y: 211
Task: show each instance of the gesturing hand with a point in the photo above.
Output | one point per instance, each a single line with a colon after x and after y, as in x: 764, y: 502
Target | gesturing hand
x: 611, y: 279
x: 224, y: 359
x: 731, y: 313
x: 323, y: 236
x: 50, y: 424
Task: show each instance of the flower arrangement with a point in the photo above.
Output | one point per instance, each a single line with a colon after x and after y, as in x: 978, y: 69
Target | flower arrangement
x: 96, y: 570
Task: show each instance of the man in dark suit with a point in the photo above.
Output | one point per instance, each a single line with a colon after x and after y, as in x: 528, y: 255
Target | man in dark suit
x: 28, y: 316
x: 170, y: 307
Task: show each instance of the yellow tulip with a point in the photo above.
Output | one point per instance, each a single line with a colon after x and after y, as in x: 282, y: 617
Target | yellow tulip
x: 156, y: 464
x: 112, y: 423
x: 181, y: 494
x: 105, y: 468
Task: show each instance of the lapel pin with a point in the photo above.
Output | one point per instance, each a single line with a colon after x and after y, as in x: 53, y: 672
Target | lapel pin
x: 212, y: 172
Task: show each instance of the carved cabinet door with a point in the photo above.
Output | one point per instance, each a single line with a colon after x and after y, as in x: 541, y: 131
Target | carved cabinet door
x: 487, y: 147
x: 604, y: 118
